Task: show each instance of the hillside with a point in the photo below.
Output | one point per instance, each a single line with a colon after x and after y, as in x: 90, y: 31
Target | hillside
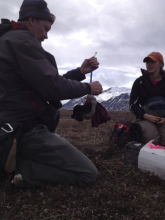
x: 121, y: 192
x: 113, y: 99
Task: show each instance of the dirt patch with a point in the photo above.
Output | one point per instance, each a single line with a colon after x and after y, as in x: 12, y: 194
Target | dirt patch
x: 121, y: 191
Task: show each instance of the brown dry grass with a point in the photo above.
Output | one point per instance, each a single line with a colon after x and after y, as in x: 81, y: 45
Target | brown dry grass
x: 121, y: 192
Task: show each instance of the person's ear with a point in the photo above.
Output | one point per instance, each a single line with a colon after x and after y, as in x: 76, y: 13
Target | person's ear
x: 32, y: 22
x: 161, y: 65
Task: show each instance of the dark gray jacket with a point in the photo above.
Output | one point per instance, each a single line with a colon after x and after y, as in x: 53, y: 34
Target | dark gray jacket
x: 29, y: 78
x: 142, y: 90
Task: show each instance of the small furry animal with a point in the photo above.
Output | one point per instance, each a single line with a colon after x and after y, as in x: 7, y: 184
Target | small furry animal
x: 90, y: 100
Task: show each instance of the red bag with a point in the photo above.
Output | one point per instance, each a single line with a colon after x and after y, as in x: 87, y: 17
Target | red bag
x: 101, y: 116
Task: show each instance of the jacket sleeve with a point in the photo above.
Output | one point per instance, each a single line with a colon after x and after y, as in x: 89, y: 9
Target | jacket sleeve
x: 39, y: 73
x: 134, y: 104
x: 74, y: 75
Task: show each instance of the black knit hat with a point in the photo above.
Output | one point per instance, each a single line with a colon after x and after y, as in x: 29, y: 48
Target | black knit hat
x: 35, y: 9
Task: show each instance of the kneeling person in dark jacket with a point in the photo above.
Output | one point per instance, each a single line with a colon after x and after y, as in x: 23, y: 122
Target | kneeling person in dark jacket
x: 31, y: 91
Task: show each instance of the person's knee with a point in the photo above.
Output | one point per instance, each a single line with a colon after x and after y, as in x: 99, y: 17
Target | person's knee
x: 94, y: 174
x: 149, y: 137
x: 88, y: 178
x: 149, y: 131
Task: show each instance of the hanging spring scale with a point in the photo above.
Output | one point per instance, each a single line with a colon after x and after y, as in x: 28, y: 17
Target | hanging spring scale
x: 92, y: 69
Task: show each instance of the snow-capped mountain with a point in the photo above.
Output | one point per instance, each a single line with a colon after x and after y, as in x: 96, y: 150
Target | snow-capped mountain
x: 114, y: 98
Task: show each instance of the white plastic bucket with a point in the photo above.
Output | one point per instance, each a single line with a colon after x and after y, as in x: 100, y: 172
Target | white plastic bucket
x: 153, y: 160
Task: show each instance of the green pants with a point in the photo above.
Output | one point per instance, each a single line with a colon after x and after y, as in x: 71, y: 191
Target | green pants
x: 45, y: 157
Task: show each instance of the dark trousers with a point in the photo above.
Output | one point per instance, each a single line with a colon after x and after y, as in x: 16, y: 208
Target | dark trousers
x: 45, y: 157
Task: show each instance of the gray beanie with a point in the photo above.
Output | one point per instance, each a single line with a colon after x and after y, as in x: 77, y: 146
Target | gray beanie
x: 35, y: 9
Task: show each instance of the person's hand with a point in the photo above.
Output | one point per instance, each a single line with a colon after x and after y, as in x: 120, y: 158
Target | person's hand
x: 88, y: 63
x: 151, y: 118
x: 161, y: 122
x: 96, y: 88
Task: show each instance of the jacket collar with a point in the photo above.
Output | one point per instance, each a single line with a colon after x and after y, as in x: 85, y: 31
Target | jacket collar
x: 145, y: 73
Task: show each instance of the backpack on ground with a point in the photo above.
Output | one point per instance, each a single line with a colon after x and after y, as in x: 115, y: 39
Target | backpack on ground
x: 131, y: 154
x: 124, y: 132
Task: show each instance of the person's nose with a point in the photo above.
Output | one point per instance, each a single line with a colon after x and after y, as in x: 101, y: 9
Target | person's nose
x: 46, y: 35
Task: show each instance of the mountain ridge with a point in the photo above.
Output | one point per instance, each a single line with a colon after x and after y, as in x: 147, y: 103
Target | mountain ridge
x: 114, y: 99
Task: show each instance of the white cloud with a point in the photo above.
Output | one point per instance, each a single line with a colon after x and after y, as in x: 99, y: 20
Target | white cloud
x: 122, y: 33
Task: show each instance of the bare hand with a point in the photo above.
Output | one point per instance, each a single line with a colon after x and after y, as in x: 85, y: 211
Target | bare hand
x: 161, y: 122
x: 152, y: 118
x: 96, y: 88
x: 88, y: 63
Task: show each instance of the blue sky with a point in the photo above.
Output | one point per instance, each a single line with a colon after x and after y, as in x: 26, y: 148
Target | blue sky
x: 122, y: 32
